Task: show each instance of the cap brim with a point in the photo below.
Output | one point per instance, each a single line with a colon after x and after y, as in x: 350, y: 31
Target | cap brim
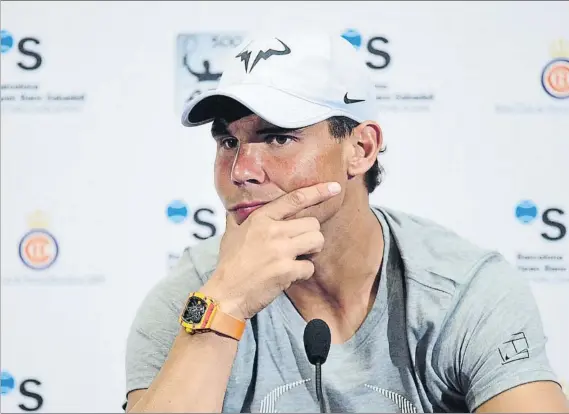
x: 273, y: 105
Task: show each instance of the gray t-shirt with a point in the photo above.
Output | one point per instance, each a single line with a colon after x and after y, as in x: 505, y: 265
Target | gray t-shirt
x: 452, y: 326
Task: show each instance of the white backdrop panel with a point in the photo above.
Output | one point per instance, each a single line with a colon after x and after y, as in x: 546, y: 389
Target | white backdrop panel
x: 104, y: 166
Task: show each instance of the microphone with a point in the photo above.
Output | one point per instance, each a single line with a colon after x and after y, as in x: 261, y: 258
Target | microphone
x: 317, y: 341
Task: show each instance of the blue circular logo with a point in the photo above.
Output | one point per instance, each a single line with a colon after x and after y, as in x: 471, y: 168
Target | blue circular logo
x: 526, y: 211
x: 7, y: 383
x: 354, y: 37
x: 177, y: 211
x: 7, y: 41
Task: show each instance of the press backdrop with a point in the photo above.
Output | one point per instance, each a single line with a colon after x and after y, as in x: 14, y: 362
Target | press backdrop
x: 101, y: 187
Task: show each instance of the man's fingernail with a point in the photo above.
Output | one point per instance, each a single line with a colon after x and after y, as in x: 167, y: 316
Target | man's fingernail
x: 334, y: 188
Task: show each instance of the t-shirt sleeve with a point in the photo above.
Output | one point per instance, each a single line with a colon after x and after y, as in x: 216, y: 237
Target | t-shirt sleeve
x: 494, y: 337
x: 155, y: 325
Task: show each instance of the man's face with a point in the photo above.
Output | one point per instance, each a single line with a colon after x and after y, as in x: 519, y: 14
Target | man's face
x: 257, y: 162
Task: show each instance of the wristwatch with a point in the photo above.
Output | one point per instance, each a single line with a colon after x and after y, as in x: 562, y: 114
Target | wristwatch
x: 202, y: 314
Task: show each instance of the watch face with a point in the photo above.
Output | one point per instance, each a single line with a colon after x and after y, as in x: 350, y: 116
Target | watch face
x: 195, y: 310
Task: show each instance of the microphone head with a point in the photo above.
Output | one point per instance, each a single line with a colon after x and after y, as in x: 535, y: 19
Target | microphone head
x: 317, y: 341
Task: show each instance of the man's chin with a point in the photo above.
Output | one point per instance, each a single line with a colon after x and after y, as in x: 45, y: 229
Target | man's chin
x: 320, y: 211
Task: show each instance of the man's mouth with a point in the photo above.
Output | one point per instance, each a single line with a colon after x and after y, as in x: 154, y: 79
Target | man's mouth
x: 243, y: 210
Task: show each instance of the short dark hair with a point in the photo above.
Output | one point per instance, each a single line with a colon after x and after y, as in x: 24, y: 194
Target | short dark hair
x: 340, y: 127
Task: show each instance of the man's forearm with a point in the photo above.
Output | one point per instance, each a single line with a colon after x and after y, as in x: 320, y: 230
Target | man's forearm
x: 194, y: 376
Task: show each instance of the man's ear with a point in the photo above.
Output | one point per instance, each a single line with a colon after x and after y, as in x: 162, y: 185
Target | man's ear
x: 367, y: 140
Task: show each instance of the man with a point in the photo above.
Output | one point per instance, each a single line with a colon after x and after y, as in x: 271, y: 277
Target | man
x: 421, y: 320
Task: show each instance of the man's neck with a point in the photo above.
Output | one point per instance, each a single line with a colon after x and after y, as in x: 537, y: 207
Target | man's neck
x: 344, y: 285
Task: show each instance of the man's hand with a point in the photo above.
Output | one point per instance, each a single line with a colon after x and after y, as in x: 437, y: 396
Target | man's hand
x: 258, y: 259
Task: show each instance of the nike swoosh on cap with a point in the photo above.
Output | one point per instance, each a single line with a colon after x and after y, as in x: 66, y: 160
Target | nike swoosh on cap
x: 351, y: 101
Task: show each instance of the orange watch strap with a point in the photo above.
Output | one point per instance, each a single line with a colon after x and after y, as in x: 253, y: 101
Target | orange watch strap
x: 227, y: 325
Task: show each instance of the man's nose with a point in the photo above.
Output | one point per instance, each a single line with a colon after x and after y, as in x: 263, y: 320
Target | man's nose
x: 247, y: 166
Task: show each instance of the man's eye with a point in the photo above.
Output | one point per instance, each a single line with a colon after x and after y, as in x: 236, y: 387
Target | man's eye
x: 279, y: 139
x: 229, y: 143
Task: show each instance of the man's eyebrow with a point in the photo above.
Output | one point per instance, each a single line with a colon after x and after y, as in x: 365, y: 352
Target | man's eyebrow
x: 278, y: 130
x: 220, y: 127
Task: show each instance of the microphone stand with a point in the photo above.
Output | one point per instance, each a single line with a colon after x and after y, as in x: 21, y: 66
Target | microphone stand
x: 319, y: 395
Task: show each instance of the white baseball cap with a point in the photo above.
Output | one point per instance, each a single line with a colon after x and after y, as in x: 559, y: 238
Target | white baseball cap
x: 291, y: 80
